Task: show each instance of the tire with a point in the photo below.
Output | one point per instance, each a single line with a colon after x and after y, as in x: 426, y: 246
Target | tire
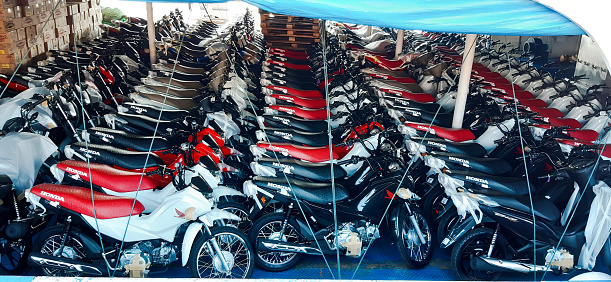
x: 415, y: 255
x: 14, y: 256
x: 14, y: 253
x: 476, y: 242
x: 235, y: 247
x: 447, y: 222
x: 47, y: 242
x: 241, y: 211
x: 265, y: 228
x: 434, y: 206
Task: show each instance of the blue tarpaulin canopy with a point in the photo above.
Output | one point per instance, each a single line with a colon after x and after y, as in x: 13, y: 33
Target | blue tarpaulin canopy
x: 495, y: 17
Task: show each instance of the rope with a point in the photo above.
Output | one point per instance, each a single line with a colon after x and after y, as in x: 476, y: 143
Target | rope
x: 165, y: 96
x: 278, y: 160
x: 402, y: 179
x: 530, y: 198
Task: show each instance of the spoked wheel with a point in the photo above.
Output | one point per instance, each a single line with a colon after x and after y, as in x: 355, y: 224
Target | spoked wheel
x: 475, y: 243
x: 49, y: 243
x: 14, y: 256
x: 241, y: 211
x: 269, y: 227
x: 235, y: 259
x: 416, y: 253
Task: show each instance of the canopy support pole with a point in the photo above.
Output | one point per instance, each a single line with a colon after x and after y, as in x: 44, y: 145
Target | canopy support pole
x: 463, y: 81
x: 151, y: 32
x: 369, y: 30
x: 399, y: 45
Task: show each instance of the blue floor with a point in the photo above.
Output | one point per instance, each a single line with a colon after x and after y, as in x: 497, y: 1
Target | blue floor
x: 382, y: 262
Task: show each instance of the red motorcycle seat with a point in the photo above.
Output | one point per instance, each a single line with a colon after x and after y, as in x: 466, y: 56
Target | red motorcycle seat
x: 108, y: 177
x: 289, y: 65
x: 545, y: 112
x: 582, y: 134
x: 389, y: 77
x: 310, y: 154
x: 452, y: 134
x: 572, y: 142
x: 303, y: 102
x: 80, y: 200
x: 311, y: 94
x: 385, y: 63
x: 311, y: 114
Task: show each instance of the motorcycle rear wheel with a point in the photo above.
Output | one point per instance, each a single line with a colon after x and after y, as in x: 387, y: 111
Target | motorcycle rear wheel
x: 268, y: 226
x: 476, y: 242
x: 48, y: 242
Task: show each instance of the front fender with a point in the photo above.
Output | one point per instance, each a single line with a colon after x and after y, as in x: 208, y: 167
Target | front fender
x: 221, y: 191
x: 216, y: 214
x: 187, y: 242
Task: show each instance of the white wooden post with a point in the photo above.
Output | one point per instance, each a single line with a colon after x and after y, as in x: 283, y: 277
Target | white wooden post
x: 150, y: 22
x: 463, y: 81
x: 399, y: 45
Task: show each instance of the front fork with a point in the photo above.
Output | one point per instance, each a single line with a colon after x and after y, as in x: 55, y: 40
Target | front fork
x: 414, y: 221
x: 216, y: 249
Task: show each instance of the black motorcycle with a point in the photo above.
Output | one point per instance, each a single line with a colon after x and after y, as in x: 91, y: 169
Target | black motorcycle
x: 282, y: 237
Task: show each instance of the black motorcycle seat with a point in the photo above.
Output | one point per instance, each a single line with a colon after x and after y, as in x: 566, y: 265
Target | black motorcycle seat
x: 288, y: 77
x: 319, y: 193
x: 517, y: 186
x: 467, y: 149
x: 109, y: 155
x: 400, y: 102
x: 314, y: 139
x: 185, y: 69
x: 180, y: 83
x: 186, y: 93
x: 419, y: 115
x: 122, y: 139
x: 543, y: 207
x: 153, y: 112
x: 492, y: 166
x: 293, y: 72
x: 314, y: 171
x: 179, y: 75
x: 148, y: 124
x: 176, y: 102
x: 286, y: 121
x: 292, y: 84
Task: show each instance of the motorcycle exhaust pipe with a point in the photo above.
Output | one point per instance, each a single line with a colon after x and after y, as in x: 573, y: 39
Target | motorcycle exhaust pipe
x: 484, y: 263
x: 279, y: 246
x: 42, y: 260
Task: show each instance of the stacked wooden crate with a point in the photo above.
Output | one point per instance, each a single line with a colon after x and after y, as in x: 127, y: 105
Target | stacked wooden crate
x: 290, y: 32
x: 29, y: 28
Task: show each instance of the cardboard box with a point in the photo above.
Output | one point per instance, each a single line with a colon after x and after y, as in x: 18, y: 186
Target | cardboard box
x: 48, y: 35
x: 63, y: 31
x: 51, y: 45
x: 72, y: 9
x: 12, y: 48
x: 44, y: 16
x: 30, y: 21
x: 9, y: 37
x: 8, y: 3
x: 21, y: 34
x: 9, y: 25
x: 60, y: 12
x: 7, y: 14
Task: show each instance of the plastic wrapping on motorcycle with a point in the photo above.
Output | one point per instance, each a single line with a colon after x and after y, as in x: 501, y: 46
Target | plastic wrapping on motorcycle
x: 461, y: 200
x: 598, y: 226
x: 11, y: 107
x: 21, y: 155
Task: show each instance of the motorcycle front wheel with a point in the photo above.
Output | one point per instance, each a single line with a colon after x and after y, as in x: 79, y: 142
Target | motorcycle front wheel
x: 415, y: 253
x: 233, y: 259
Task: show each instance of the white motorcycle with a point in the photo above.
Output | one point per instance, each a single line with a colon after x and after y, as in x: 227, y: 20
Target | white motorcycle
x: 102, y: 235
